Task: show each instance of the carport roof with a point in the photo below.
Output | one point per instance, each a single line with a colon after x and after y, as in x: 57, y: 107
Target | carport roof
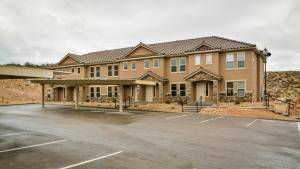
x: 94, y: 81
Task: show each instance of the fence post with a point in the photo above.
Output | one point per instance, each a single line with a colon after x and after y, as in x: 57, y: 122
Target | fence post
x: 196, y: 107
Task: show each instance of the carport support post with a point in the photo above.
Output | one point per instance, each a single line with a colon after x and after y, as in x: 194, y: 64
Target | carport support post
x: 43, y: 95
x: 76, y: 96
x: 121, y: 93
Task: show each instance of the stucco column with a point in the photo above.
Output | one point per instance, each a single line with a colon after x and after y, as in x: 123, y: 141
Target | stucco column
x: 76, y: 96
x: 215, y: 95
x: 66, y: 94
x: 43, y: 95
x: 121, y: 96
x: 188, y: 90
x: 161, y: 91
x: 135, y: 94
x: 138, y: 92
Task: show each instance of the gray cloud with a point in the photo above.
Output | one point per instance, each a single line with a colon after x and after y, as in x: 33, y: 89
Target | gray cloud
x: 44, y: 31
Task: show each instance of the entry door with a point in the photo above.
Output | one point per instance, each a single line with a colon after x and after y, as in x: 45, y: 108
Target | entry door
x: 200, y: 90
x: 149, y: 93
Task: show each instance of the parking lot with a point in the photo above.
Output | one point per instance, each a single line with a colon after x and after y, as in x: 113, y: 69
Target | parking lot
x: 60, y: 137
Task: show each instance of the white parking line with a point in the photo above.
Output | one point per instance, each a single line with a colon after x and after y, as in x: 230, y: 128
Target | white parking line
x: 211, y: 119
x: 299, y: 126
x: 174, y: 117
x: 248, y: 125
x: 88, y: 161
x: 37, y: 145
x: 12, y: 134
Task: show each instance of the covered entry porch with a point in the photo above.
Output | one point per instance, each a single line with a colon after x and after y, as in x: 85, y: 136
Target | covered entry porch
x: 204, y: 86
x: 83, y: 82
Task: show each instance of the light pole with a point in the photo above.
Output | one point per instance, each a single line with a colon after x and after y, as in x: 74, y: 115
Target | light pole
x: 266, y: 54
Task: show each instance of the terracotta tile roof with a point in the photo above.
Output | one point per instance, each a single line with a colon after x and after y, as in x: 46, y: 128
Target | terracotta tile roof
x: 167, y: 48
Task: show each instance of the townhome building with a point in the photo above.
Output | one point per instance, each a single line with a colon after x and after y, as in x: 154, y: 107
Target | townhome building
x: 210, y: 69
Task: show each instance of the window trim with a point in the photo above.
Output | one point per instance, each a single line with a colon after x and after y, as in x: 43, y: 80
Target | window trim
x: 195, y: 58
x: 181, y: 90
x: 78, y: 70
x: 112, y: 70
x: 131, y: 65
x: 227, y: 88
x: 145, y: 63
x: 108, y: 92
x: 158, y: 64
x: 173, y: 65
x: 124, y: 66
x: 95, y: 75
x: 171, y: 91
x: 90, y: 92
x: 98, y: 87
x: 211, y: 59
x: 184, y: 64
x: 237, y: 58
x: 92, y: 72
x: 237, y: 88
x: 178, y: 89
x: 227, y: 56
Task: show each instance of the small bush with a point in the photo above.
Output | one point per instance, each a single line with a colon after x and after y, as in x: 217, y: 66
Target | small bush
x: 237, y: 101
x: 167, y: 102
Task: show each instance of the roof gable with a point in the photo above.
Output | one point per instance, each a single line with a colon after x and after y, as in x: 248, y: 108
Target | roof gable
x: 202, y: 74
x: 202, y: 47
x: 69, y: 59
x: 142, y: 50
x: 152, y: 76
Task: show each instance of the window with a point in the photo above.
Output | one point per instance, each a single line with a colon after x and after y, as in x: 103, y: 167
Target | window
x: 229, y: 88
x: 208, y: 58
x: 97, y: 91
x: 147, y: 64
x: 116, y: 70
x: 116, y: 91
x: 133, y: 65
x: 92, y: 92
x: 109, y: 70
x: 182, y: 89
x: 197, y: 59
x: 72, y: 70
x: 78, y: 70
x: 97, y: 71
x: 240, y: 88
x: 156, y: 63
x: 173, y: 65
x: 173, y: 90
x: 182, y: 63
x: 229, y: 60
x: 92, y: 72
x: 109, y: 91
x: 241, y: 59
x: 206, y: 88
x: 48, y: 94
x: 125, y: 66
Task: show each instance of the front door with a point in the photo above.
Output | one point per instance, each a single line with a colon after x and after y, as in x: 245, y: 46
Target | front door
x: 200, y: 90
x: 149, y: 93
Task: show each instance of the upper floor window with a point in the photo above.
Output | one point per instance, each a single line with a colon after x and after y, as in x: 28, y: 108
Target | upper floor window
x: 125, y: 66
x: 147, y: 64
x: 156, y: 63
x: 229, y: 60
x: 208, y: 58
x: 92, y: 72
x: 182, y: 64
x: 197, y: 59
x: 229, y: 86
x: 241, y: 59
x: 116, y: 70
x: 133, y: 65
x: 173, y: 65
x: 240, y: 88
x: 78, y: 70
x: 97, y: 71
x: 173, y: 90
x: 109, y: 70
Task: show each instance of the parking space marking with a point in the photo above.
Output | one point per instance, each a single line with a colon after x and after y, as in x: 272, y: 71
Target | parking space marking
x: 88, y: 161
x: 12, y: 134
x: 174, y: 117
x: 37, y: 145
x: 248, y: 125
x: 212, y: 119
x: 299, y: 126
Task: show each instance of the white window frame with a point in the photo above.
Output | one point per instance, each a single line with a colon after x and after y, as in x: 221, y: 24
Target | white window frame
x: 133, y: 62
x: 243, y: 54
x: 197, y: 57
x: 112, y: 71
x: 173, y: 90
x: 96, y: 91
x: 243, y: 88
x: 95, y: 75
x: 229, y: 55
x: 92, y: 72
x: 115, y: 70
x: 173, y: 65
x: 112, y: 92
x: 230, y: 88
x: 145, y: 61
x: 125, y: 63
x: 158, y: 64
x: 181, y: 58
x: 181, y: 90
x: 208, y: 58
x: 90, y: 91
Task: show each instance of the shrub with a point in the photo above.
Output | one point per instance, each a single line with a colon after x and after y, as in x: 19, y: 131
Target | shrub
x: 167, y: 102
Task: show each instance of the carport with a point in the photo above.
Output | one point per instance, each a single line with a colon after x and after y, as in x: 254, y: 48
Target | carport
x: 77, y: 82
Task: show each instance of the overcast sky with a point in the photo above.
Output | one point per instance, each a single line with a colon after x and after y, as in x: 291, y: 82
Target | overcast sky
x: 43, y: 31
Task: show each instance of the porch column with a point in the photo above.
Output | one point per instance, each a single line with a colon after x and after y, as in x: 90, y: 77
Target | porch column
x: 215, y: 95
x: 66, y: 94
x: 161, y: 91
x: 76, y: 96
x: 43, y: 95
x: 189, y: 91
x: 121, y: 96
